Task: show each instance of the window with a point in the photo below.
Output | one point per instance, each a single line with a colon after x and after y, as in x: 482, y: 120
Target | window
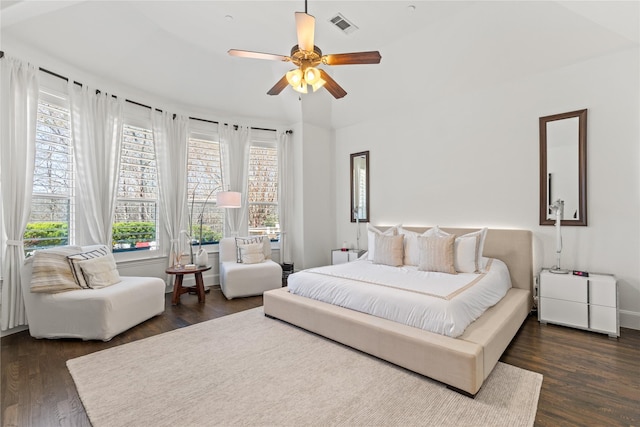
x: 204, y: 180
x: 50, y: 223
x: 135, y: 221
x: 263, y: 190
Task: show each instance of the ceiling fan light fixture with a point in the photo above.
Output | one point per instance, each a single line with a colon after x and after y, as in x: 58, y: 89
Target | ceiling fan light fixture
x: 311, y: 75
x: 295, y: 77
x: 302, y: 87
x: 317, y: 85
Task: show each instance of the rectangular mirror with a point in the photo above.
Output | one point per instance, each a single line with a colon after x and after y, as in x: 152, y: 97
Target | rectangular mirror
x: 563, y: 167
x: 360, y: 187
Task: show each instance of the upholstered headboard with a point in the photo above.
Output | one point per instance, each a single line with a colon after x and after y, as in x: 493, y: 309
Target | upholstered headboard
x: 513, y: 247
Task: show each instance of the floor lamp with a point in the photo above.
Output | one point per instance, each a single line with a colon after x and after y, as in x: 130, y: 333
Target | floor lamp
x: 558, y: 208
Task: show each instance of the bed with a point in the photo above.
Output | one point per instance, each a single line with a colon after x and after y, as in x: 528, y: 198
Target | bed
x: 462, y: 363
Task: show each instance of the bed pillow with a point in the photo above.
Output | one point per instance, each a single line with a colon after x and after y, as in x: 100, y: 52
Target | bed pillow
x: 372, y: 232
x: 411, y: 249
x: 436, y: 253
x: 73, y: 260
x: 465, y: 251
x: 51, y: 271
x: 100, y: 272
x: 389, y: 250
x: 251, y: 253
x: 468, y: 251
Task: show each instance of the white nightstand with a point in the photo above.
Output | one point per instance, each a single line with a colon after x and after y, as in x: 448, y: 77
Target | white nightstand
x: 589, y: 303
x: 338, y: 256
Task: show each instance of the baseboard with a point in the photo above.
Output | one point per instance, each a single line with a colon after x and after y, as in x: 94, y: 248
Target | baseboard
x: 629, y: 319
x: 14, y: 330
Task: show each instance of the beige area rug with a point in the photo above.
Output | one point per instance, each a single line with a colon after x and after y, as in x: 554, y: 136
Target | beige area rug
x: 247, y: 369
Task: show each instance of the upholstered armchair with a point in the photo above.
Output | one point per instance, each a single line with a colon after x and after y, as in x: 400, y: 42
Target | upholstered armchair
x: 58, y: 307
x: 242, y: 279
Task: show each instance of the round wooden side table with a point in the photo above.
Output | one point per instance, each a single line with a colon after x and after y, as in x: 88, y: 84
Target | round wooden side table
x: 178, y: 289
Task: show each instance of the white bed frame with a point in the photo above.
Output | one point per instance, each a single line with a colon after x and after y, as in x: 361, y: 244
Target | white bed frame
x: 462, y: 363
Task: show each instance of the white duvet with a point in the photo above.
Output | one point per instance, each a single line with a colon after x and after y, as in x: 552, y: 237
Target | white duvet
x: 438, y: 302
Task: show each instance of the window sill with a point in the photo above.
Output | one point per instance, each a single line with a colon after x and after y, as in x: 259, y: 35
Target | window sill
x: 137, y: 256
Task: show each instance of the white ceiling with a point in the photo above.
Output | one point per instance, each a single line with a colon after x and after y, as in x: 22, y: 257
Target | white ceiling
x: 177, y: 50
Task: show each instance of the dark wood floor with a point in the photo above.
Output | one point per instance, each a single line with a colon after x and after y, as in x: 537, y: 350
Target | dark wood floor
x: 589, y: 379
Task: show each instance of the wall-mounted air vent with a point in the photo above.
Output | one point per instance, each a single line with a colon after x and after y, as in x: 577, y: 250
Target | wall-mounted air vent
x: 343, y: 24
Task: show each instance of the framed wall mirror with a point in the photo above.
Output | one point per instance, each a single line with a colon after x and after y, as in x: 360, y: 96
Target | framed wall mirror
x: 360, y: 187
x: 563, y: 167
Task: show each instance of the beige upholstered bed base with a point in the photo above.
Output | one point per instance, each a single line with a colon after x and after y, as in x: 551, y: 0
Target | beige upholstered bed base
x: 462, y: 363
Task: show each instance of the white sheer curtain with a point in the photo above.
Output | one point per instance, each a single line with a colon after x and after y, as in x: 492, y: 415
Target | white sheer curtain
x: 19, y: 102
x: 285, y: 194
x: 171, y: 137
x: 235, y: 143
x: 96, y: 120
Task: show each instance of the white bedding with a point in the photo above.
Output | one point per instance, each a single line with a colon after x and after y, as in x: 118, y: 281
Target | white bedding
x: 438, y: 302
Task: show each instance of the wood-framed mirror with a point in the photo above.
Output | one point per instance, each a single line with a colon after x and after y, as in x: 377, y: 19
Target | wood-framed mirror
x: 360, y: 187
x: 563, y: 167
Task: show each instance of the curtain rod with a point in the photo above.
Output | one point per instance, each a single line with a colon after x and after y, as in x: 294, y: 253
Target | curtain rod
x: 44, y: 70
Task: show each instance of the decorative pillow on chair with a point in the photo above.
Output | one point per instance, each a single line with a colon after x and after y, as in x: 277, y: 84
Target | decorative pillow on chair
x: 264, y: 240
x: 266, y: 246
x: 372, y: 233
x: 436, y: 253
x: 74, y: 259
x: 389, y: 250
x: 51, y: 271
x: 251, y: 253
x: 100, y: 272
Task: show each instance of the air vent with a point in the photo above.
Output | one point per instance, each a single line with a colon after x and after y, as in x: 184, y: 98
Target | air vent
x: 343, y: 24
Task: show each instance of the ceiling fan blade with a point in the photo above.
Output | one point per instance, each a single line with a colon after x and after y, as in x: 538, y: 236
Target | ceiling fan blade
x: 334, y: 88
x: 258, y: 55
x: 305, y: 27
x: 372, y: 57
x: 279, y: 87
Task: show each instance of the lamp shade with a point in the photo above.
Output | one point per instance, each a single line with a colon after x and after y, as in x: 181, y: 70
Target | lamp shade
x: 229, y: 199
x: 318, y: 84
x: 294, y: 77
x: 311, y: 75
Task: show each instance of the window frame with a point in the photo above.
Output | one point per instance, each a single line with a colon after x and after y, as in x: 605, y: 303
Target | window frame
x: 140, y: 116
x: 145, y: 125
x: 264, y: 139
x: 61, y: 101
x: 203, y: 131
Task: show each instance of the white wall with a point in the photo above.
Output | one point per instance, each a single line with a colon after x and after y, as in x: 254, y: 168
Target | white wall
x: 313, y: 220
x: 472, y: 160
x: 313, y: 223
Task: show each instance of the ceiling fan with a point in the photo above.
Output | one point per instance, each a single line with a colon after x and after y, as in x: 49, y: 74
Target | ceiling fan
x: 307, y: 56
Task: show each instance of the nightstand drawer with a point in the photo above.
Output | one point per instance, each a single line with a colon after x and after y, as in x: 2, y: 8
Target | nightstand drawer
x: 564, y: 312
x: 602, y: 291
x: 604, y: 319
x: 563, y: 287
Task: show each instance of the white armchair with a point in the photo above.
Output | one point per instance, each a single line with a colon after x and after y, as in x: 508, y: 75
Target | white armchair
x: 92, y: 314
x: 242, y: 280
